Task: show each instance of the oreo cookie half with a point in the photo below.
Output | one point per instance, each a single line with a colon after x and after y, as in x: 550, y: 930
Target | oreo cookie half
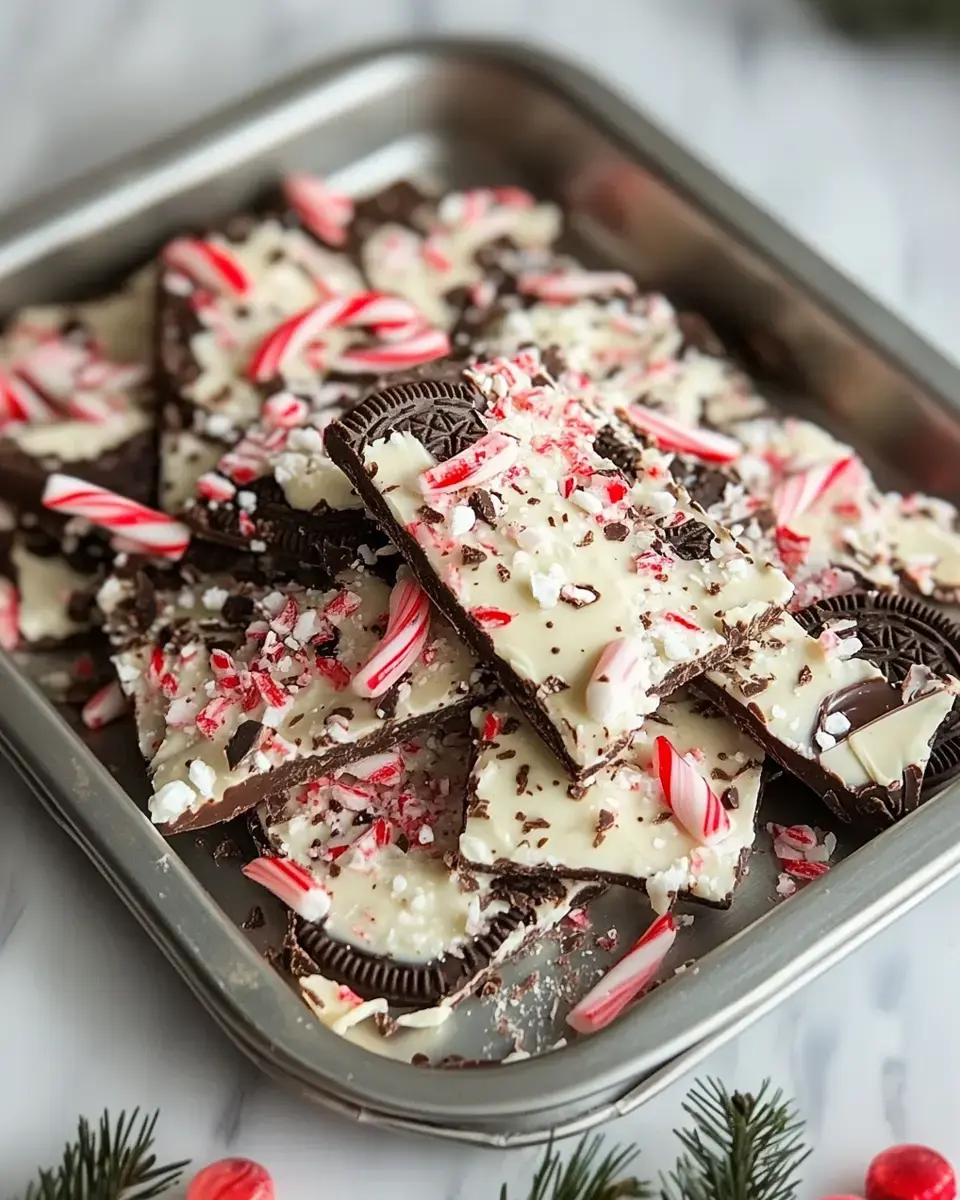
x: 897, y: 633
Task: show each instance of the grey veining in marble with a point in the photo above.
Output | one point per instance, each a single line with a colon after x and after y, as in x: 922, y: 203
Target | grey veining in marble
x: 857, y: 150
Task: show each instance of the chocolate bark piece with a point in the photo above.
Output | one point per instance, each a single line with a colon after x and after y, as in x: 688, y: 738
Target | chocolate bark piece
x: 82, y: 383
x: 421, y: 249
x: 634, y: 347
x: 278, y: 488
x: 523, y: 818
x: 575, y: 560
x: 833, y: 720
x: 54, y: 569
x: 244, y: 689
x: 898, y: 633
x: 403, y: 925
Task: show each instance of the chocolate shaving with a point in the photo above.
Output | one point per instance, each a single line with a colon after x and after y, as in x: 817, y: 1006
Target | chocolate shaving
x: 482, y: 504
x: 429, y: 515
x: 523, y: 774
x: 804, y: 675
x: 730, y: 798
x: 470, y: 555
x: 605, y: 821
x: 534, y: 823
x: 755, y: 685
x: 254, y: 919
x: 503, y: 574
x: 244, y: 739
x: 690, y: 540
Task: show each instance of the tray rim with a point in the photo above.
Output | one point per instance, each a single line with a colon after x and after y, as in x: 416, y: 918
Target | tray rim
x: 601, y: 1060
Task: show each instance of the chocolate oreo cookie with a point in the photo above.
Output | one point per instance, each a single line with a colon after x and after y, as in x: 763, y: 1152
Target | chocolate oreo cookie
x: 412, y: 985
x: 442, y: 412
x: 897, y: 633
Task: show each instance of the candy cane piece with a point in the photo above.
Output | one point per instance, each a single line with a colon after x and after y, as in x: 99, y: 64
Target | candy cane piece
x: 489, y: 618
x: 292, y: 884
x: 322, y: 210
x: 153, y: 532
x: 207, y: 264
x: 801, y: 491
x: 565, y: 287
x: 689, y: 797
x: 104, y: 706
x: 213, y: 486
x: 625, y: 981
x: 285, y: 411
x: 381, y: 770
x: 9, y: 616
x: 19, y: 402
x: 402, y: 643
x: 621, y: 670
x: 486, y: 459
x: 291, y: 336
x: 674, y: 436
x: 421, y: 348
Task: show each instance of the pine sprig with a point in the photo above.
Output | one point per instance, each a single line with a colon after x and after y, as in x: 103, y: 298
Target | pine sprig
x: 740, y: 1147
x: 113, y: 1162
x: 581, y: 1178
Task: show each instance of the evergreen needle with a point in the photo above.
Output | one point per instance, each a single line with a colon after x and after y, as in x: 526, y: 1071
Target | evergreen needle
x: 112, y: 1162
x: 583, y: 1178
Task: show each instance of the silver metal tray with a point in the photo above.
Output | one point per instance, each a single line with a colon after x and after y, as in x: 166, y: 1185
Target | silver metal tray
x: 467, y: 115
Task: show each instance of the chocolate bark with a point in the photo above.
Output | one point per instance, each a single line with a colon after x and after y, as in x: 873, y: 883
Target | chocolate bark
x: 544, y: 561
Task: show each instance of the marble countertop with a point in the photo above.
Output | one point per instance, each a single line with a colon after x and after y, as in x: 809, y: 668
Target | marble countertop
x: 853, y: 148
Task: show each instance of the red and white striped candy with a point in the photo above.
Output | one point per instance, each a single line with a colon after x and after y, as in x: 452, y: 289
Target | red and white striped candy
x: 19, y: 402
x: 674, y: 436
x: 292, y: 884
x: 486, y: 459
x: 104, y: 706
x: 232, y: 1179
x: 420, y: 348
x: 213, y: 486
x: 800, y: 492
x: 322, y: 210
x: 285, y: 411
x: 381, y: 770
x: 363, y: 309
x: 207, y: 264
x: 565, y: 287
x: 793, y: 548
x: 620, y: 671
x: 689, y: 797
x: 153, y: 532
x: 489, y: 618
x: 625, y: 981
x: 9, y: 616
x: 408, y: 627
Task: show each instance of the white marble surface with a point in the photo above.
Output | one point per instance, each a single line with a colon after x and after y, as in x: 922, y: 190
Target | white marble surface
x: 856, y: 149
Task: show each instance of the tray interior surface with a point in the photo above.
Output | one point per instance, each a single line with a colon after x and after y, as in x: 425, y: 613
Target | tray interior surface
x: 458, y: 120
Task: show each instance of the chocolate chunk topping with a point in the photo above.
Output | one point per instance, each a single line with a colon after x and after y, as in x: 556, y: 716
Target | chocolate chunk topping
x: 730, y: 798
x: 605, y: 821
x: 238, y: 610
x: 804, y: 676
x: 243, y: 741
x: 471, y: 555
x: 690, y: 540
x: 755, y: 685
x: 616, y: 531
x: 482, y: 504
x: 523, y: 774
x: 430, y: 515
x: 503, y: 573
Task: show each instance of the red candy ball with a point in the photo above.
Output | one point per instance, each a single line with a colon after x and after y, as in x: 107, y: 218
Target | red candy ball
x: 232, y: 1179
x: 910, y: 1173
